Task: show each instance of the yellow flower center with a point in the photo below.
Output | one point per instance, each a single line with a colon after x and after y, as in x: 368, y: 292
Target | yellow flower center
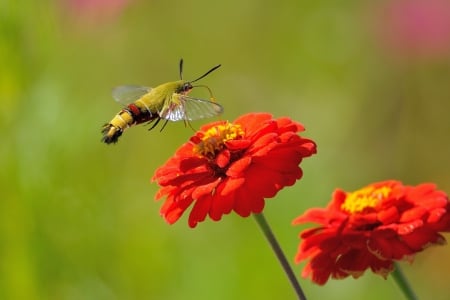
x: 367, y: 197
x: 214, y: 138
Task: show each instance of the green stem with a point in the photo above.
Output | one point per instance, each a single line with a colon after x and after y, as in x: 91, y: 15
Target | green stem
x: 403, y: 283
x: 280, y: 255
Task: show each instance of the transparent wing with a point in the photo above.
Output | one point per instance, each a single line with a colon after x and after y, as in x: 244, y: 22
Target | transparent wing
x: 190, y: 109
x: 126, y: 94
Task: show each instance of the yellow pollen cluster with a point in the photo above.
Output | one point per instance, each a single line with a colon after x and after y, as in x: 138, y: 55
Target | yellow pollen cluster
x: 215, y: 138
x: 368, y: 197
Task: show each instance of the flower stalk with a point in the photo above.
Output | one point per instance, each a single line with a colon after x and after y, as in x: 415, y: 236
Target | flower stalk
x: 268, y: 233
x: 403, y: 283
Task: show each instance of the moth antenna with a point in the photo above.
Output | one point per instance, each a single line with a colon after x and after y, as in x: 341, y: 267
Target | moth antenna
x: 181, y: 68
x: 216, y: 67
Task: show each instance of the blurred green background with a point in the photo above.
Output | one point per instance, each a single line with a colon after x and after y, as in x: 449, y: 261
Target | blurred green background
x: 369, y: 80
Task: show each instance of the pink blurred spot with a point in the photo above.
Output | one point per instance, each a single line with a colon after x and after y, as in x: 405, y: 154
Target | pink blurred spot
x: 96, y: 10
x: 415, y: 28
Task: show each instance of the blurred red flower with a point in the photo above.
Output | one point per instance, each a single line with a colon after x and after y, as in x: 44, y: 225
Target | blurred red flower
x: 96, y: 10
x: 232, y: 166
x: 414, y: 28
x: 370, y: 228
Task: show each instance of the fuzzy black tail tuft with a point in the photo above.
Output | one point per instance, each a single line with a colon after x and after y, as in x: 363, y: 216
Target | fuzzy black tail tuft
x: 111, y: 134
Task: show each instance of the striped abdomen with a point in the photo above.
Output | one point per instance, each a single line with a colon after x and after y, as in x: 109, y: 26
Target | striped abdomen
x: 127, y: 117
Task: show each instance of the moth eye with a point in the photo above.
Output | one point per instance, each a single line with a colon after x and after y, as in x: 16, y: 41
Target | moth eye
x: 187, y: 86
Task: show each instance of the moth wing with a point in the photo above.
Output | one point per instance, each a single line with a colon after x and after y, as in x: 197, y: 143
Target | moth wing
x: 126, y: 94
x: 190, y: 108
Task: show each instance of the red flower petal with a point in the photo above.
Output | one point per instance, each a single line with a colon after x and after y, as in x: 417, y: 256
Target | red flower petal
x: 223, y: 159
x: 205, y: 189
x: 388, y: 215
x: 231, y: 185
x: 199, y: 211
x: 221, y: 203
x: 238, y: 168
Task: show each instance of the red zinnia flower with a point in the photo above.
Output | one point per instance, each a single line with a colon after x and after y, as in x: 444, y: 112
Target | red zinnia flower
x: 370, y: 228
x: 232, y: 166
